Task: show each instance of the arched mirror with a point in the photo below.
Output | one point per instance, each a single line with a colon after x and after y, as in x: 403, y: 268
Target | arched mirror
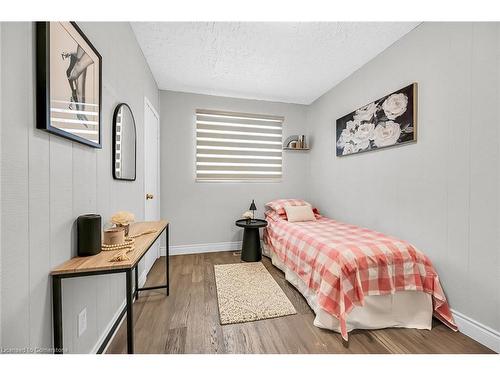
x: 124, y: 143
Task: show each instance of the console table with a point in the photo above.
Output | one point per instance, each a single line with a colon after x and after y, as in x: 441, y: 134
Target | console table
x: 100, y: 264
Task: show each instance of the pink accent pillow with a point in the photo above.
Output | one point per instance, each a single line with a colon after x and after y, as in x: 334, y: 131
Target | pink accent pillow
x: 299, y: 213
x: 278, y: 205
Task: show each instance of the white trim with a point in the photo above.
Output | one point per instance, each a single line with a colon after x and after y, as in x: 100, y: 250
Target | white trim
x: 477, y: 331
x: 148, y: 103
x: 142, y: 277
x: 108, y: 328
x: 202, y: 248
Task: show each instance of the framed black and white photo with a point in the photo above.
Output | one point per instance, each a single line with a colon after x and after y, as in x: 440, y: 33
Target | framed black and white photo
x: 386, y: 122
x: 68, y: 70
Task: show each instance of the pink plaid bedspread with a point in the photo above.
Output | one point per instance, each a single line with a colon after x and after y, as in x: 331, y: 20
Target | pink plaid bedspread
x: 344, y: 263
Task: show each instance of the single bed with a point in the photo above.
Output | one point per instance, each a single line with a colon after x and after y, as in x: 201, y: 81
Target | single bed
x: 352, y: 277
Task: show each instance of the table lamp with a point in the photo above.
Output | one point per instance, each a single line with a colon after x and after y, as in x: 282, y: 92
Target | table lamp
x: 253, y: 208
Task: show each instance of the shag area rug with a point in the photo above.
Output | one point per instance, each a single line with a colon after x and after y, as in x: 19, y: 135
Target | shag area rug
x: 247, y: 292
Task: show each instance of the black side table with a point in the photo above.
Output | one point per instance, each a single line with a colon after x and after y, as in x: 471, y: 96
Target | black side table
x: 251, y: 251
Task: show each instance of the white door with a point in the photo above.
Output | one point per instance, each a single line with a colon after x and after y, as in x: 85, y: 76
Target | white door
x: 151, y: 175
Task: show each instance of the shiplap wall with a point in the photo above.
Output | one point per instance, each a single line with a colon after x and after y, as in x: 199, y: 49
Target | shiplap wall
x: 47, y: 181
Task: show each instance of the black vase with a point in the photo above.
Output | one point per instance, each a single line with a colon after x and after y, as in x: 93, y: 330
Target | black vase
x: 89, y: 234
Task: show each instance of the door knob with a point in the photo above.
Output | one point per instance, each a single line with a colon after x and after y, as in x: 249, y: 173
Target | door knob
x: 149, y: 196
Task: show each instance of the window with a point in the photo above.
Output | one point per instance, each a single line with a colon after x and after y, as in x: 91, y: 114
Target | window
x: 238, y: 147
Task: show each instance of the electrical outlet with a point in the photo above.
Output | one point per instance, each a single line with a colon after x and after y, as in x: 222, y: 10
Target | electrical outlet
x: 82, y: 322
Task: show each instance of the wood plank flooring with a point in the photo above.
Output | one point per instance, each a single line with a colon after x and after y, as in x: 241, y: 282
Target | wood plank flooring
x: 188, y: 321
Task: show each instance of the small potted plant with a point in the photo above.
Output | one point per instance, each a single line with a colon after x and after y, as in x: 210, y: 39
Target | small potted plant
x: 247, y: 215
x: 123, y: 219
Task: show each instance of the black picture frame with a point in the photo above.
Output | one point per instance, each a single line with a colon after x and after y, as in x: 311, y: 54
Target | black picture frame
x: 43, y: 99
x: 113, y: 156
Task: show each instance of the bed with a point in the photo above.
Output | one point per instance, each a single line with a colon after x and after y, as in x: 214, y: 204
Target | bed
x: 352, y: 277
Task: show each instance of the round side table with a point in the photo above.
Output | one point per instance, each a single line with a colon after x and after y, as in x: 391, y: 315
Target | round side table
x: 251, y: 250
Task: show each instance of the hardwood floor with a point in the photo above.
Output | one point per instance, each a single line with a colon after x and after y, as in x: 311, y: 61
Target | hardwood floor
x: 188, y: 321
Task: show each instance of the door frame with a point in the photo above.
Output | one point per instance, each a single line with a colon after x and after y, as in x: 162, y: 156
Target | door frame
x: 148, y: 104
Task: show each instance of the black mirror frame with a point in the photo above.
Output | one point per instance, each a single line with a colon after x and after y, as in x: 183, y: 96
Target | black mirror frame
x: 115, y: 114
x: 43, y: 84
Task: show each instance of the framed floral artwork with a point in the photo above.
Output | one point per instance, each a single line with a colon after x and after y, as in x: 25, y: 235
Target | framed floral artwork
x: 386, y: 122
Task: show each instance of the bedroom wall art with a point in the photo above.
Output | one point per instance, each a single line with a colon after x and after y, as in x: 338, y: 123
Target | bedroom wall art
x: 386, y: 122
x: 68, y: 70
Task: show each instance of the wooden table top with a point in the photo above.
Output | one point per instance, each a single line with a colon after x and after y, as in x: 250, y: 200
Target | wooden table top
x: 101, y: 261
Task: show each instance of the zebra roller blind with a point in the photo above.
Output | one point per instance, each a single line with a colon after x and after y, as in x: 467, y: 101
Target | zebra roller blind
x: 238, y: 146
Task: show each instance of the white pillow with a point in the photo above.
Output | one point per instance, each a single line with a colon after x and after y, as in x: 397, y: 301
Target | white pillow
x: 299, y: 213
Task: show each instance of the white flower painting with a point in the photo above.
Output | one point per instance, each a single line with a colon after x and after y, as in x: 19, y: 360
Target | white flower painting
x: 386, y: 122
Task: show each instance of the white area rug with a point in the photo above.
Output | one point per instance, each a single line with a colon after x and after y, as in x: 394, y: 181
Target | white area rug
x: 247, y: 292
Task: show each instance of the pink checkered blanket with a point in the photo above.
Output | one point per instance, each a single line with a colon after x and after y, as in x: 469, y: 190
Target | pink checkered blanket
x: 344, y: 263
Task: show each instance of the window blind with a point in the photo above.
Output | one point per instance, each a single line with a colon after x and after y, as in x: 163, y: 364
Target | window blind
x: 237, y: 146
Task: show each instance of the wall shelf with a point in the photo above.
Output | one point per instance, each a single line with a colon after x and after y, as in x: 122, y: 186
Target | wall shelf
x: 294, y: 139
x: 296, y: 149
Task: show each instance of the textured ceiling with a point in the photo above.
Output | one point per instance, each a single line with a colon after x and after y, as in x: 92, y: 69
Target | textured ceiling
x: 277, y: 61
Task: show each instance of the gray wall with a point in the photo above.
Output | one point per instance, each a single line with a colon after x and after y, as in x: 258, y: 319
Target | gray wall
x: 204, y: 212
x: 47, y: 181
x: 441, y: 193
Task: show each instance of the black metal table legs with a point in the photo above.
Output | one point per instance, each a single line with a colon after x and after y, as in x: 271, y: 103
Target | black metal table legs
x: 57, y: 314
x: 136, y: 283
x: 251, y: 251
x: 130, y: 318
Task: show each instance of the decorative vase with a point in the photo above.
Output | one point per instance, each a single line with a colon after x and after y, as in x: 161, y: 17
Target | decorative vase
x: 114, y: 236
x: 302, y: 141
x: 88, y: 234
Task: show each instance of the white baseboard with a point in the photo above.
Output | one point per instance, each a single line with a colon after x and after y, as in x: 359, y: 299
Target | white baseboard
x: 202, y: 248
x: 108, y: 328
x: 477, y: 331
x: 142, y: 278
